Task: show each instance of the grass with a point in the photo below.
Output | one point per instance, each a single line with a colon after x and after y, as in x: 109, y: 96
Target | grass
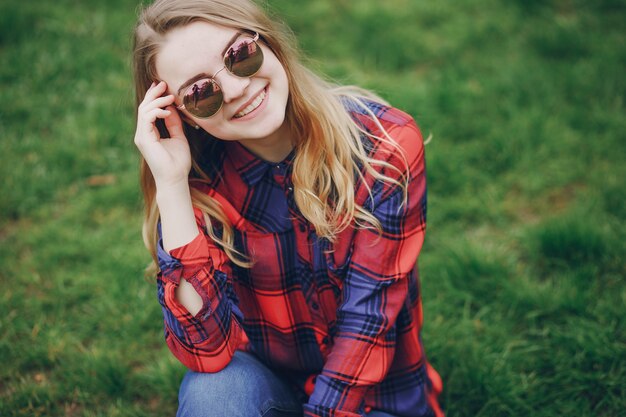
x: 523, y: 270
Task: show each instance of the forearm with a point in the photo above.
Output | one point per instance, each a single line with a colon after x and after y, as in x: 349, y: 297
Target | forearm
x: 178, y: 227
x: 197, y: 332
x: 178, y: 223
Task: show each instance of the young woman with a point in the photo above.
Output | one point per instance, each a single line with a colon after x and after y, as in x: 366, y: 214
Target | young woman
x: 285, y: 217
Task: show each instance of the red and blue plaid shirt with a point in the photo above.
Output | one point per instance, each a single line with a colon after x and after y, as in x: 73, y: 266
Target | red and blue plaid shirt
x: 341, y: 320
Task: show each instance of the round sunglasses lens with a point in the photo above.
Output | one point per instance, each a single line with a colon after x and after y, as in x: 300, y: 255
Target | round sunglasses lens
x: 244, y: 58
x: 203, y: 98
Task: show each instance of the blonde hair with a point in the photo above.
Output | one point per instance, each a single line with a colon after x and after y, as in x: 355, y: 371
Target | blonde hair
x: 330, y: 154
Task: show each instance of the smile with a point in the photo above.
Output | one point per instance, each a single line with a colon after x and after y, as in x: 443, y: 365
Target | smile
x: 256, y: 102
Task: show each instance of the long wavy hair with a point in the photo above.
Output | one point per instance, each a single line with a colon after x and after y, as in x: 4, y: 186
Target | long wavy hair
x: 330, y: 154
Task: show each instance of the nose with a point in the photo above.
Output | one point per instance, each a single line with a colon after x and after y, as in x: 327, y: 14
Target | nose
x: 233, y: 87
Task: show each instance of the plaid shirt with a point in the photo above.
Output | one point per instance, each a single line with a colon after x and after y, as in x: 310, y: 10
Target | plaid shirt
x: 341, y: 320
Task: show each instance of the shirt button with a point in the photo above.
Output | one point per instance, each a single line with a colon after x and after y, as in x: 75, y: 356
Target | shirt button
x: 302, y: 228
x: 290, y: 188
x: 315, y: 306
x: 325, y: 341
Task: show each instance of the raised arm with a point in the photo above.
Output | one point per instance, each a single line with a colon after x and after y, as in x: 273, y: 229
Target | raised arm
x: 193, y: 284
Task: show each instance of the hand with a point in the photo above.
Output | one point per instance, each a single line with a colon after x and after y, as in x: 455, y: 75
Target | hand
x: 169, y: 159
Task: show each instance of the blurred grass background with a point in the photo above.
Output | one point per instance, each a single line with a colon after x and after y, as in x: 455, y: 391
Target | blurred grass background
x: 523, y: 268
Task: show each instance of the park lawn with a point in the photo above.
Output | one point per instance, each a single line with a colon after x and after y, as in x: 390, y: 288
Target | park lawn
x: 523, y: 266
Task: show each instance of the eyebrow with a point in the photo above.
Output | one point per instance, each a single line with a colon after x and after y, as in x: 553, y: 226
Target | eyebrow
x: 204, y: 74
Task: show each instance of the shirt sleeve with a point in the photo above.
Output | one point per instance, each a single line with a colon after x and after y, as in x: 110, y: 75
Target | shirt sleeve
x: 375, y: 289
x: 207, y: 341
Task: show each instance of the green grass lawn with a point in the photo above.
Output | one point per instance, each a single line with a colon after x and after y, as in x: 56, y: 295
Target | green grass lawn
x: 523, y: 268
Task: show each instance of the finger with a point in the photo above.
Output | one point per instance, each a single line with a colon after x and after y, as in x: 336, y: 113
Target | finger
x: 161, y: 102
x: 155, y: 91
x: 150, y: 118
x: 148, y: 133
x: 158, y: 113
x: 174, y: 123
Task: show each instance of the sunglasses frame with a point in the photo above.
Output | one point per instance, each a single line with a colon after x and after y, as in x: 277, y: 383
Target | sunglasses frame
x: 212, y: 79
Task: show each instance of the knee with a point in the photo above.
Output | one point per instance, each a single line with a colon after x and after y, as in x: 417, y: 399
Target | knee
x: 199, y: 394
x: 209, y: 394
x: 230, y: 392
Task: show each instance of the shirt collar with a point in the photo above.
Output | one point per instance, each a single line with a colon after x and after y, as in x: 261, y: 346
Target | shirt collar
x: 250, y: 167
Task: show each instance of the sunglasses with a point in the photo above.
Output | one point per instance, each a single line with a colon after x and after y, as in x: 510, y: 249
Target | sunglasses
x: 204, y: 98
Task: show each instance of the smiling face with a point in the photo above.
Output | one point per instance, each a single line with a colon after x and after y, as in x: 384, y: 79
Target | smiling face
x: 254, y: 107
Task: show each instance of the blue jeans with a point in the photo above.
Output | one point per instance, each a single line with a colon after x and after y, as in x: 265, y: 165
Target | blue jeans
x: 245, y: 388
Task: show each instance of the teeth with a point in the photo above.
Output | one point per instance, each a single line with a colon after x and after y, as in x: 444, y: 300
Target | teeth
x: 256, y: 103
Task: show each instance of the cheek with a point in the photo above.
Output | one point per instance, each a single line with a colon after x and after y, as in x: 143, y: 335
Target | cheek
x: 274, y: 68
x: 280, y: 80
x: 283, y: 74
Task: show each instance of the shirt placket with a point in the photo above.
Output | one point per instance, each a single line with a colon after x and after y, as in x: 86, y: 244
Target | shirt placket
x: 305, y: 238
